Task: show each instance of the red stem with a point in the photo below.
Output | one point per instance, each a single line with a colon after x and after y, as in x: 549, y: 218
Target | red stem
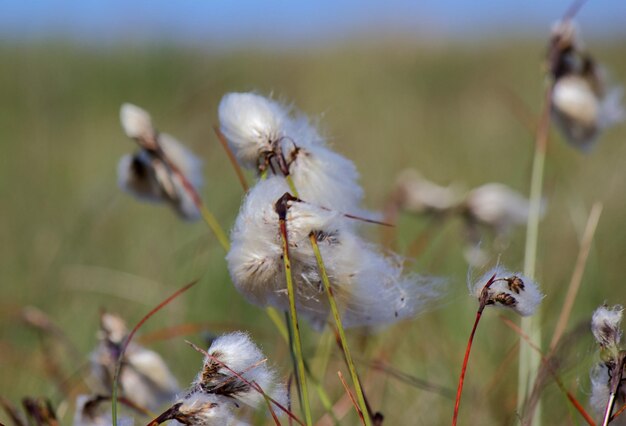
x: 231, y: 157
x: 464, y: 368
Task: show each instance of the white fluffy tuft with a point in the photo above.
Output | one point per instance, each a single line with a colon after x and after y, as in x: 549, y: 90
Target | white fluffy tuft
x: 251, y: 123
x: 605, y: 325
x: 370, y: 289
x: 241, y: 354
x: 509, y: 291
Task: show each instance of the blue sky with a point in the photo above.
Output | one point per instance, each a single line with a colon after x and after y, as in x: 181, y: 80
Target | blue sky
x: 226, y: 22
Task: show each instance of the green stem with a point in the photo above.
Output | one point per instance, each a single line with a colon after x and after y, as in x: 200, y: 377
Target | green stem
x: 340, y: 329
x: 529, y: 361
x: 294, y: 324
x: 215, y: 226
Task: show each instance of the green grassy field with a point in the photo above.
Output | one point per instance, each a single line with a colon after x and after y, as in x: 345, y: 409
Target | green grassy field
x: 72, y: 243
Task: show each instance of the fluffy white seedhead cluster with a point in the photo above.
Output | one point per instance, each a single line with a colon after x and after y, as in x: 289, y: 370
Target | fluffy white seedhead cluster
x: 370, y: 289
x: 216, y: 395
x: 148, y: 174
x: 145, y: 378
x: 509, y: 291
x: 582, y: 104
x: 605, y: 326
x: 91, y: 411
x: 240, y: 354
x: 267, y: 135
x: 253, y: 125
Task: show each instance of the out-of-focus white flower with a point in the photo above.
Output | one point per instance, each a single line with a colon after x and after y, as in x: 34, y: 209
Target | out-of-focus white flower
x: 497, y: 206
x: 582, y: 104
x: 252, y: 124
x: 416, y: 194
x: 145, y: 379
x: 147, y: 174
x: 605, y: 325
x: 90, y: 411
x: 370, y: 289
x: 508, y: 290
x: 240, y: 354
x: 136, y: 122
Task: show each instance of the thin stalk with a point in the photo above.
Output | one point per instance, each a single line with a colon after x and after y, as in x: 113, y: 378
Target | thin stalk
x: 554, y: 374
x: 294, y: 323
x: 118, y: 364
x: 231, y: 158
x: 292, y: 186
x: 459, y: 389
x: 358, y: 409
x: 321, y: 393
x: 340, y: 329
x: 294, y: 358
x: 215, y: 226
x: 577, y: 275
x: 529, y: 361
x: 208, y: 217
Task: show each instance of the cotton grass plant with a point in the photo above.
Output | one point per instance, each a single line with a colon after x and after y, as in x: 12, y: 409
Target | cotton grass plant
x: 300, y: 246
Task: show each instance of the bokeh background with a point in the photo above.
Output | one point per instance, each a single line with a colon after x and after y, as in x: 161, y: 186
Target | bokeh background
x: 445, y: 87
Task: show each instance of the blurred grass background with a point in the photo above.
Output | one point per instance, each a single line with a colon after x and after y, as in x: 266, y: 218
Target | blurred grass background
x: 72, y: 243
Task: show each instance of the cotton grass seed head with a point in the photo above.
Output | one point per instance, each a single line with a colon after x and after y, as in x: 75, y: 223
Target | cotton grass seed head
x: 371, y: 289
x: 504, y: 289
x: 149, y: 173
x: 582, y: 104
x: 252, y: 124
x: 137, y: 123
x: 605, y: 326
x: 237, y: 352
x: 416, y: 194
x: 144, y: 378
x: 497, y: 206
